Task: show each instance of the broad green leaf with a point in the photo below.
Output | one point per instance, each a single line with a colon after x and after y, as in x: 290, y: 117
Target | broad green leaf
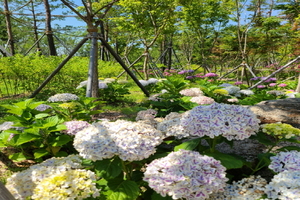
x: 33, y: 105
x: 26, y: 115
x: 228, y: 161
x: 17, y: 157
x: 60, y: 140
x: 13, y: 109
x: 50, y: 121
x: 61, y: 154
x: 41, y: 115
x: 108, y: 168
x: 262, y: 138
x: 40, y: 153
x: 26, y: 137
x: 122, y: 190
x: 188, y: 145
x: 59, y: 127
x: 289, y: 148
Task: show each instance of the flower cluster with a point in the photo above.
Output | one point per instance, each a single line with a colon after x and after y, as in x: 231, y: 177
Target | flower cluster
x: 221, y: 92
x: 171, y: 126
x: 75, y: 126
x: 191, y: 92
x: 210, y: 74
x: 69, y: 105
x: 280, y: 130
x: 72, y: 184
x: 189, y: 71
x: 63, y: 97
x: 230, y: 121
x: 202, y: 100
x: 276, y: 92
x: 246, y: 92
x: 150, y: 81
x: 285, y: 185
x: 245, y: 189
x: 232, y: 90
x: 94, y: 143
x: 285, y: 161
x: 24, y: 184
x: 43, y: 107
x: 130, y: 141
x: 186, y: 174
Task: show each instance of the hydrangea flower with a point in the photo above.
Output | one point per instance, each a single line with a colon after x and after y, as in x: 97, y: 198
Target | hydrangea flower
x: 285, y: 161
x: 191, y: 92
x: 6, y: 126
x: 148, y: 82
x: 186, y: 174
x: 238, y: 83
x: 246, y: 189
x: 69, y: 105
x: 275, y: 92
x: 282, y: 85
x: 246, y: 92
x: 71, y: 184
x: 261, y: 86
x: 230, y: 121
x: 232, y: 89
x: 43, y: 107
x: 202, y: 100
x: 101, y: 84
x: 225, y: 85
x: 285, y: 185
x: 272, y: 84
x: 95, y: 143
x: 75, y: 126
x: 63, y: 97
x: 171, y: 126
x: 130, y: 141
x: 210, y: 75
x: 221, y: 92
x: 136, y: 141
x: 280, y: 130
x: 22, y: 184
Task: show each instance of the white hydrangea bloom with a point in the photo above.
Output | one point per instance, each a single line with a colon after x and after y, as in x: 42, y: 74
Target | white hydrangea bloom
x: 225, y: 85
x: 276, y: 92
x: 133, y: 140
x: 22, y: 184
x: 232, y: 89
x: 6, y: 126
x: 246, y: 92
x: 101, y: 84
x: 191, y: 92
x: 95, y: 143
x: 285, y: 161
x: 109, y: 80
x: 43, y: 107
x: 186, y: 174
x: 75, y: 126
x: 230, y: 121
x: 246, y: 189
x: 285, y: 185
x: 202, y: 100
x: 63, y: 97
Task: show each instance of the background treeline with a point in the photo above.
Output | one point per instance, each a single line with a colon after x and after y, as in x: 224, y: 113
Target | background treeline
x: 214, y: 35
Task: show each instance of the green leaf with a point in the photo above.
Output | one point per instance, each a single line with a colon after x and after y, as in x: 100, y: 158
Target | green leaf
x: 289, y: 148
x: 17, y: 157
x: 26, y: 137
x: 228, y: 161
x: 41, y: 115
x: 59, y: 127
x: 262, y: 138
x: 40, y: 153
x: 61, y: 154
x: 51, y: 121
x: 122, y: 190
x: 59, y: 140
x: 188, y: 145
x: 108, y: 168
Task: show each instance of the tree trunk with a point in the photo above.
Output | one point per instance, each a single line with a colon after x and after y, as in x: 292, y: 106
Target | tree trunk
x: 49, y: 29
x: 36, y: 35
x: 8, y: 27
x: 145, y: 66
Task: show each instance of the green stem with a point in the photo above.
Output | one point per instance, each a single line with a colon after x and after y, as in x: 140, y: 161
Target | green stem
x: 126, y: 171
x: 258, y: 167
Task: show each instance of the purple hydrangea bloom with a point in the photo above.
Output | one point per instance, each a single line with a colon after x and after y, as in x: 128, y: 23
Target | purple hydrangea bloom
x: 261, y: 86
x: 182, y: 72
x: 272, y: 84
x: 282, y: 85
x: 255, y: 78
x: 186, y: 175
x: 230, y: 121
x: 211, y: 75
x: 75, y: 126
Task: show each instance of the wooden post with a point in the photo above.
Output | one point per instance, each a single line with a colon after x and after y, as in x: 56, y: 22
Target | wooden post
x: 4, y: 193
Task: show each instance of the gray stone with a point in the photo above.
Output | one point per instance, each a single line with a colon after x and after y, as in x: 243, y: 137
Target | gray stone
x: 280, y: 110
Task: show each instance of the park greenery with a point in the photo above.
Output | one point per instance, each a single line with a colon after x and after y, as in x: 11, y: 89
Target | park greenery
x: 202, y: 62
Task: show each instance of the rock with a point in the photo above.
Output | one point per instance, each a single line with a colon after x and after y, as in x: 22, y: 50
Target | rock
x: 280, y: 110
